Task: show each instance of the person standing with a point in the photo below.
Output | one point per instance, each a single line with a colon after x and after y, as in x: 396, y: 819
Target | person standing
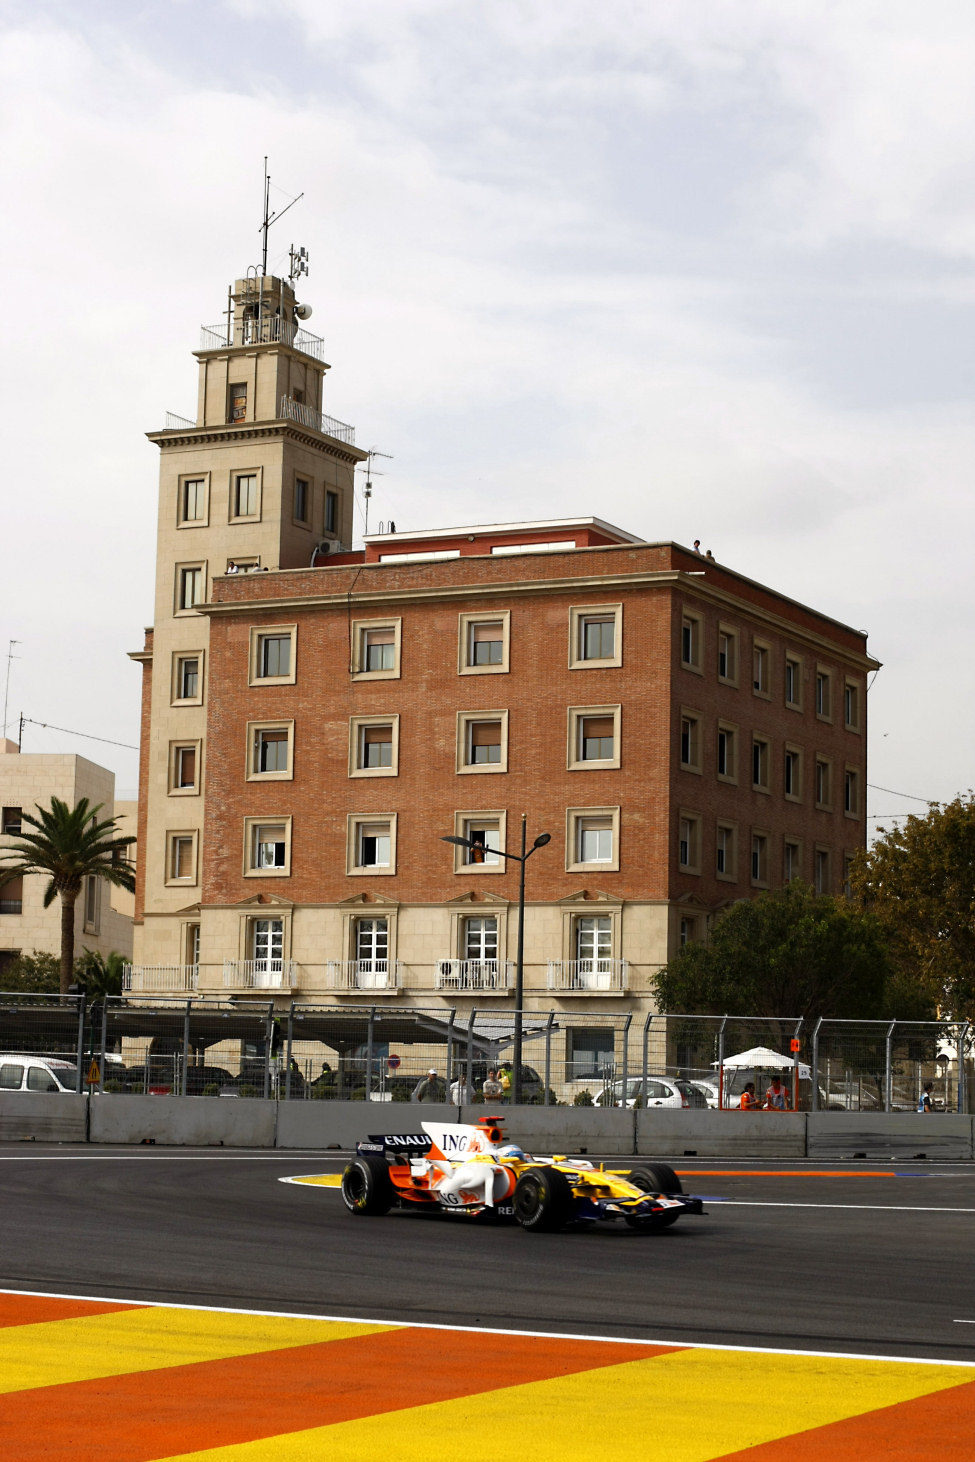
x: 460, y: 1093
x: 925, y: 1102
x: 491, y: 1088
x: 429, y: 1088
x: 776, y: 1098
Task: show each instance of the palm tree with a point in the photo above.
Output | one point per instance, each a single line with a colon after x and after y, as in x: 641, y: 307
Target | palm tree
x: 69, y: 845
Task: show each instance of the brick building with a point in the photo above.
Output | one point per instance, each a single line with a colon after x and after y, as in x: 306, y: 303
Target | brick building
x: 687, y: 737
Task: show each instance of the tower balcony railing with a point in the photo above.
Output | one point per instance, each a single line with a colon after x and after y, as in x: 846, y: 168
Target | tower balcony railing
x: 474, y: 974
x: 178, y: 423
x: 260, y: 974
x: 375, y: 975
x: 588, y: 976
x: 268, y: 330
x: 307, y: 416
x: 155, y: 979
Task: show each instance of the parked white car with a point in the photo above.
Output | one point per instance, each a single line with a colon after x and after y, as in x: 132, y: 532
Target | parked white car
x: 661, y: 1091
x: 37, y: 1073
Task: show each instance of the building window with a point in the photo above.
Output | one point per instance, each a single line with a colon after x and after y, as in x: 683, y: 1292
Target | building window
x: 270, y: 747
x: 725, y: 855
x: 759, y: 858
x: 592, y: 838
x: 190, y: 586
x: 187, y: 680
x: 761, y: 660
x: 687, y: 930
x: 12, y: 896
x: 851, y: 706
x: 760, y: 764
x: 273, y: 654
x: 237, y: 401
x: 302, y: 498
x: 331, y: 512
x: 791, y: 860
x: 793, y: 683
x: 726, y: 760
x: 792, y: 773
x: 372, y: 844
x: 822, y: 871
x: 480, y: 939
x: 595, y: 636
x: 824, y: 695
x: 728, y: 656
x: 12, y: 822
x: 376, y: 649
x: 690, y: 642
x: 372, y: 946
x: 265, y: 945
x: 482, y: 647
x: 486, y: 830
x: 593, y: 943
x: 184, y: 766
x: 851, y: 792
x: 93, y: 904
x: 181, y: 857
x: 268, y: 846
x: 823, y: 778
x: 594, y: 737
x: 245, y: 495
x: 590, y: 1053
x: 689, y: 843
x: 373, y: 746
x: 848, y: 861
x: 191, y: 945
x: 690, y: 741
x: 192, y: 500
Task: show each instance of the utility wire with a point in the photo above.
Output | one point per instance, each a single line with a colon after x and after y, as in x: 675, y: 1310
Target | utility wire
x: 29, y: 721
x: 910, y: 795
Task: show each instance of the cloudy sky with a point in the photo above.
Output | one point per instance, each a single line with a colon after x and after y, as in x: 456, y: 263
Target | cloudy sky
x: 705, y: 269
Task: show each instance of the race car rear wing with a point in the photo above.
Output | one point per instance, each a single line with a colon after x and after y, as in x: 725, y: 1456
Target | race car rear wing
x: 397, y: 1144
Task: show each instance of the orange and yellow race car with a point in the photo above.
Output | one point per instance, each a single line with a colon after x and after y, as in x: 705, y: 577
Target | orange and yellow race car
x: 473, y: 1170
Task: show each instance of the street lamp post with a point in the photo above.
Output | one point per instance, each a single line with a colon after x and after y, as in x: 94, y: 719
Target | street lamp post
x: 520, y: 858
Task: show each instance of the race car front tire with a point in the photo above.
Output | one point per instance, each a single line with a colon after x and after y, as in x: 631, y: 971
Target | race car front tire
x: 542, y: 1200
x: 367, y: 1187
x: 656, y: 1177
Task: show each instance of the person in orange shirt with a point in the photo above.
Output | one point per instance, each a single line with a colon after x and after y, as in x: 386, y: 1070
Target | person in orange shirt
x: 776, y: 1098
x: 748, y: 1102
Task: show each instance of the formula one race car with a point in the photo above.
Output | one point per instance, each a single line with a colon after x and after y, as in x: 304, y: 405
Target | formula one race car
x: 472, y: 1170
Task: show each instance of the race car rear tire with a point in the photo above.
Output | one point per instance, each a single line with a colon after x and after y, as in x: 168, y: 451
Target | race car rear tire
x: 656, y: 1177
x: 542, y: 1200
x: 367, y: 1187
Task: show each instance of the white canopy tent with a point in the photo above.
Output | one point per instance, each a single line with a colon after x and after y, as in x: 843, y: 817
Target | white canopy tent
x: 763, y: 1058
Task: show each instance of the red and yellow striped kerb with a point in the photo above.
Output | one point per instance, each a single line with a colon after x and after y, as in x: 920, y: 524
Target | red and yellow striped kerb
x: 86, y: 1380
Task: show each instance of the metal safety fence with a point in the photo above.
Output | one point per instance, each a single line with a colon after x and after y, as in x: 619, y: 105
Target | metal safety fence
x: 205, y: 1047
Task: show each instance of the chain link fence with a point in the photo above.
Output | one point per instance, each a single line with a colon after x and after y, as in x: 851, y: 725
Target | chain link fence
x: 204, y: 1047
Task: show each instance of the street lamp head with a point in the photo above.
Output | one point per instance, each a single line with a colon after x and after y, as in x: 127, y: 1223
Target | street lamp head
x: 461, y: 842
x: 541, y: 840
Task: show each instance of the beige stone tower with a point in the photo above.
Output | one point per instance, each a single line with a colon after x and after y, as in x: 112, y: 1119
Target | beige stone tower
x: 257, y: 482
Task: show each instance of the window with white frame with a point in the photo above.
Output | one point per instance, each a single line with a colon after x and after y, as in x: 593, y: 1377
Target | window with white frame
x: 482, y: 741
x: 244, y: 495
x: 595, y: 838
x: 372, y: 844
x: 760, y: 857
x: 192, y: 500
x: 376, y: 649
x: 593, y: 937
x: 485, y: 830
x: 269, y: 846
x: 270, y: 749
x: 793, y: 682
x: 726, y: 753
x: 184, y: 757
x: 272, y: 654
x: 728, y: 656
x: 190, y: 586
x: 181, y: 857
x: 372, y: 943
x: 265, y: 941
x: 593, y: 737
x: 376, y: 746
x: 480, y: 938
x: 690, y: 741
x: 485, y: 643
x: 187, y: 684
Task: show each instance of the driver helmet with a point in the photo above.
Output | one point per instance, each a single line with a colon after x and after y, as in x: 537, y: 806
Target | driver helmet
x: 511, y: 1149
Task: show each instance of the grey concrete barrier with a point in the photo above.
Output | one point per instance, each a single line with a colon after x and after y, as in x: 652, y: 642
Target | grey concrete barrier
x: 563, y: 1129
x: 887, y: 1135
x: 666, y: 1132
x: 183, y: 1121
x: 343, y: 1124
x: 28, y: 1114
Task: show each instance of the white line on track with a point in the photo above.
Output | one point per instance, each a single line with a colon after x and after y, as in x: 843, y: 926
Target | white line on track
x: 852, y: 1207
x: 902, y: 1360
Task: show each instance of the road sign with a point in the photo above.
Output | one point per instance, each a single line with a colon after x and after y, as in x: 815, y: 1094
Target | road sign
x: 94, y: 1075
x: 794, y: 1045
x: 392, y: 1062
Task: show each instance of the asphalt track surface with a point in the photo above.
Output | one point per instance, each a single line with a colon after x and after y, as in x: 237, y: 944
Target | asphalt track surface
x: 860, y: 1259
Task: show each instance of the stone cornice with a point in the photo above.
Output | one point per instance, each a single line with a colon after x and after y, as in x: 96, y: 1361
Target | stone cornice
x: 217, y: 435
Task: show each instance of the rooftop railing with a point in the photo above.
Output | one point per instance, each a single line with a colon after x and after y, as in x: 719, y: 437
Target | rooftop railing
x: 330, y: 426
x: 269, y: 330
x: 146, y: 979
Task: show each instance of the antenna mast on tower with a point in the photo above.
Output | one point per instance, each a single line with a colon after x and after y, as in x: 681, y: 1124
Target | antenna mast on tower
x: 270, y: 217
x: 367, y: 489
x: 6, y: 690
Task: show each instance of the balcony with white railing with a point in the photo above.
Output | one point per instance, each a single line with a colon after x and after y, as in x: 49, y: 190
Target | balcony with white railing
x: 178, y: 423
x: 587, y: 976
x: 475, y: 974
x: 160, y: 979
x: 377, y: 976
x: 268, y: 330
x: 304, y: 415
x: 260, y: 974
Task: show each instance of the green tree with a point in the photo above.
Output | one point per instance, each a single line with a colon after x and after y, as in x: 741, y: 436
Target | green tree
x: 101, y: 974
x: 69, y: 844
x: 790, y: 952
x: 919, y: 882
x: 36, y: 973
